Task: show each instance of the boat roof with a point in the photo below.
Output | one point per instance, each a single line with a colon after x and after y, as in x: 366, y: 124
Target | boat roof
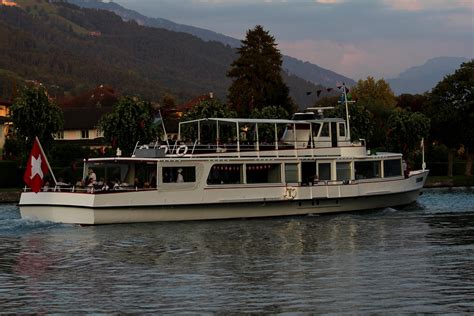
x: 264, y: 121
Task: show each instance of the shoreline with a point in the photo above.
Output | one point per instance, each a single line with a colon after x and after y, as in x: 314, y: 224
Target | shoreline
x: 13, y: 196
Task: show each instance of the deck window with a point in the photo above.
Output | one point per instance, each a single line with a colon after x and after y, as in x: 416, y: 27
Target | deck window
x: 392, y: 168
x: 367, y: 169
x: 291, y: 173
x: 324, y: 171
x: 263, y: 173
x: 225, y: 174
x: 325, y: 130
x: 179, y: 174
x: 343, y: 171
x: 342, y: 129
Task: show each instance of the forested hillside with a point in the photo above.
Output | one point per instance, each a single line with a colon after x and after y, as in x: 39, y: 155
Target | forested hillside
x: 71, y: 49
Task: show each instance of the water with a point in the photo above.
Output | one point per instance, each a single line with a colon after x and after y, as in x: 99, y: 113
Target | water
x: 416, y: 259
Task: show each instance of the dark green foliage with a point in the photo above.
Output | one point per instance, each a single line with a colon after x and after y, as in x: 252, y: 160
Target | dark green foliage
x: 267, y: 131
x: 362, y: 127
x: 211, y: 108
x: 405, y: 131
x: 208, y: 108
x: 412, y: 102
x: 10, y: 174
x: 34, y: 114
x: 130, y: 121
x: 270, y: 112
x: 256, y: 75
x: 451, y: 108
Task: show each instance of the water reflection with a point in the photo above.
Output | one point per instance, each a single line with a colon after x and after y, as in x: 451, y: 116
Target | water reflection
x: 403, y: 261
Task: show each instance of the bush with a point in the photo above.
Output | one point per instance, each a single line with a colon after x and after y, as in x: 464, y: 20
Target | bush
x: 10, y: 174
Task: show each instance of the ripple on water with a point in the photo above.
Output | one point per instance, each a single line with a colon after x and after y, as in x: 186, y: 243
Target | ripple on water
x: 416, y: 259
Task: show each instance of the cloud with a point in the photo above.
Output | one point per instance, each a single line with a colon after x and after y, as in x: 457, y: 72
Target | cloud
x: 381, y: 58
x: 353, y: 37
x: 419, y: 5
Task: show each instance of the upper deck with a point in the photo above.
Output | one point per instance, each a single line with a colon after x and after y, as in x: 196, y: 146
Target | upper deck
x: 239, y: 137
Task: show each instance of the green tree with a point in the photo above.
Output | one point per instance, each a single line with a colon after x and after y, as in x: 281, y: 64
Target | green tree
x: 379, y: 100
x: 451, y: 109
x: 129, y: 122
x: 361, y: 124
x: 405, y: 131
x: 210, y: 108
x: 256, y: 74
x: 34, y: 114
x: 266, y: 132
x: 412, y: 102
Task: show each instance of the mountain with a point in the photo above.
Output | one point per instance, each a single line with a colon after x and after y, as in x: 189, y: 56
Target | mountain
x: 420, y: 79
x: 72, y: 49
x: 304, y: 70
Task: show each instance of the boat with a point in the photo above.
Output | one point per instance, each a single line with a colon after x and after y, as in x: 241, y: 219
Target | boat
x: 227, y: 168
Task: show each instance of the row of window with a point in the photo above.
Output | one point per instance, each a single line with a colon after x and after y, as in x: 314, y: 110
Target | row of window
x: 271, y: 172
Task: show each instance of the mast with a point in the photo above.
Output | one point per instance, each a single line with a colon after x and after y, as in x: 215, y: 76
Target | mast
x: 347, y: 112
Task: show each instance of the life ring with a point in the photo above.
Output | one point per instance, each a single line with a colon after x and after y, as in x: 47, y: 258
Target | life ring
x: 144, y: 147
x: 290, y: 193
x: 181, y: 150
x: 165, y: 148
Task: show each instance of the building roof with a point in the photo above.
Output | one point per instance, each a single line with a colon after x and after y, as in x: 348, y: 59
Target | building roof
x: 5, y: 103
x: 86, y: 110
x: 101, y: 96
x: 83, y: 118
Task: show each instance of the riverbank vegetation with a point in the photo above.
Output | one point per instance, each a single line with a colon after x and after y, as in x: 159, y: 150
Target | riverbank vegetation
x: 443, y: 117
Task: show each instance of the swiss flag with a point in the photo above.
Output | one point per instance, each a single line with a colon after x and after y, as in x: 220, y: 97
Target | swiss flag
x: 36, y: 168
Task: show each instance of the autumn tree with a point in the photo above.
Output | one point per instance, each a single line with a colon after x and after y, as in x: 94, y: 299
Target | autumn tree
x: 451, y: 109
x: 130, y: 121
x: 256, y: 74
x: 379, y: 100
x: 33, y: 114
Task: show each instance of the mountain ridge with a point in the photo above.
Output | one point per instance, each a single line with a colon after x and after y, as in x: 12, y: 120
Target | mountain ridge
x: 305, y: 70
x: 423, y: 78
x: 63, y: 45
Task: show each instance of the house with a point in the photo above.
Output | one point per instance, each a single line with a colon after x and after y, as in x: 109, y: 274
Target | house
x: 5, y: 121
x: 82, y: 115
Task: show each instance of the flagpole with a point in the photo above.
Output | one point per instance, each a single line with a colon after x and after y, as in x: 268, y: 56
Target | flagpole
x: 47, y: 162
x: 164, y: 129
x: 347, y: 113
x: 423, y: 164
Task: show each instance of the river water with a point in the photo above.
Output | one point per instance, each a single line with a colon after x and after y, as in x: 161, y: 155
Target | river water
x: 416, y: 259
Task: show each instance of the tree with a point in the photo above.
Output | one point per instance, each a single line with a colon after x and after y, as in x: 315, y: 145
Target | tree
x: 129, y: 122
x: 256, y: 75
x: 379, y: 100
x: 451, y: 109
x: 412, y: 102
x: 34, y: 114
x: 405, y: 131
x: 361, y: 124
x: 208, y: 109
x: 267, y: 131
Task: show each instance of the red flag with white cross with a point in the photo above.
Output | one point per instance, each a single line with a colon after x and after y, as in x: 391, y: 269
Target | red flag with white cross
x: 36, y: 167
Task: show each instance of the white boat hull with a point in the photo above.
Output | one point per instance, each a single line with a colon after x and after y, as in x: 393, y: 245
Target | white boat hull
x: 217, y: 203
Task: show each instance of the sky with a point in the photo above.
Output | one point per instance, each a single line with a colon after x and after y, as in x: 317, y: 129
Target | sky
x: 356, y: 38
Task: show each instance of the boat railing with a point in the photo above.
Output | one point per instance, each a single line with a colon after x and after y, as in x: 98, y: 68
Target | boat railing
x: 90, y: 189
